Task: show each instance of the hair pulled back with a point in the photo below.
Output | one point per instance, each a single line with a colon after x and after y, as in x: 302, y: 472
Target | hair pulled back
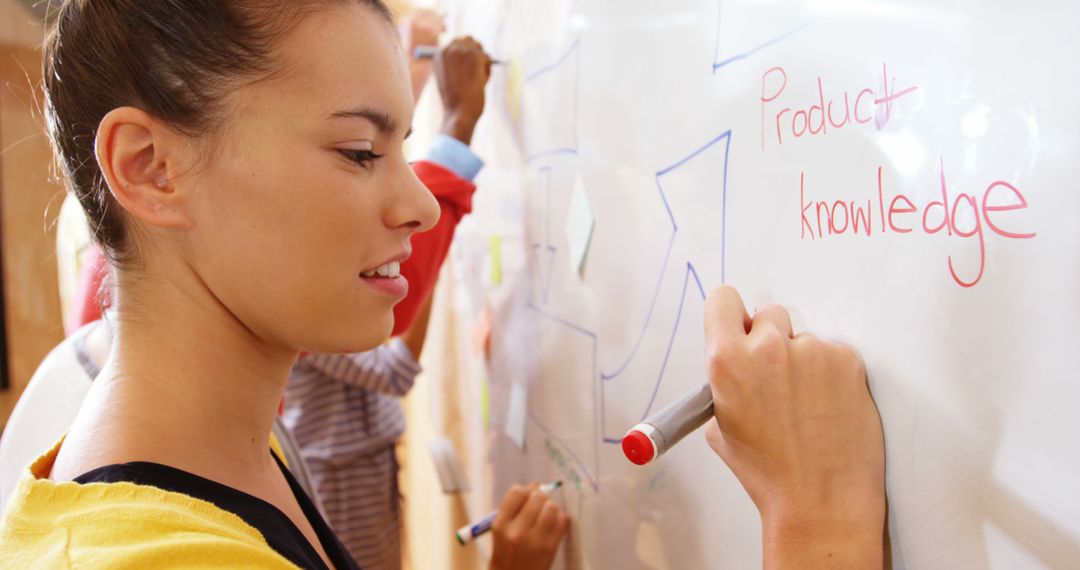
x: 173, y: 59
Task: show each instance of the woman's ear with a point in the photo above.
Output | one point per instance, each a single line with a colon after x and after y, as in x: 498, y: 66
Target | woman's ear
x: 135, y: 152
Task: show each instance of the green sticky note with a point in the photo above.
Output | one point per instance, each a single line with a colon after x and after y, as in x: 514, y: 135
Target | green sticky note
x: 496, y: 260
x: 579, y: 225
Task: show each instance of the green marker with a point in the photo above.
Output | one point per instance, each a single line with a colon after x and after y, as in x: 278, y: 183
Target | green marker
x: 472, y: 530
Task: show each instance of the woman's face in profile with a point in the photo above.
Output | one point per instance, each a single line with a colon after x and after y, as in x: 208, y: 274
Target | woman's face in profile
x: 308, y: 190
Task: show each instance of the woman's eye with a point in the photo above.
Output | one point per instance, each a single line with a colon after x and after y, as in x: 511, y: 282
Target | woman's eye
x: 362, y: 158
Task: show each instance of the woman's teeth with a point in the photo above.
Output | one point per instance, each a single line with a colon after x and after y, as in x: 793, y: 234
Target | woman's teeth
x: 392, y: 269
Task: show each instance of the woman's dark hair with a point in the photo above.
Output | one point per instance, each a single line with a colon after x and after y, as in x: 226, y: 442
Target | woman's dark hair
x: 173, y: 59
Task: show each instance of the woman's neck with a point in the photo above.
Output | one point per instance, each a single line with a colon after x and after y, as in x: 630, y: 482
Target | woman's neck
x: 186, y: 384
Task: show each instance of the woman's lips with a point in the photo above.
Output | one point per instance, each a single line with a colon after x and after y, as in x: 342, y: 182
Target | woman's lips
x: 396, y: 287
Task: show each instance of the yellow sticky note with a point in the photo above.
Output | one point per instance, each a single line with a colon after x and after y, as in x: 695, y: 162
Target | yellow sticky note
x: 515, y: 84
x: 496, y: 260
x: 485, y: 403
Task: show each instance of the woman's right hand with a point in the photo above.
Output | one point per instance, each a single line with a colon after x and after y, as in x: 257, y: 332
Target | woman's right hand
x: 462, y: 70
x: 796, y: 424
x: 527, y: 530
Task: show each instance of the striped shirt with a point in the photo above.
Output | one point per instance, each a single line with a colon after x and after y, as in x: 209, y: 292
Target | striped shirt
x: 345, y: 413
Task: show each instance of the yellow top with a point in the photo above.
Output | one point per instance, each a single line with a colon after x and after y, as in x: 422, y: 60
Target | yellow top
x: 122, y: 525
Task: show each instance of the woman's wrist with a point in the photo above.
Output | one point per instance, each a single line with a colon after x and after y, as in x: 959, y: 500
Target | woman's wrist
x: 460, y: 126
x: 843, y: 533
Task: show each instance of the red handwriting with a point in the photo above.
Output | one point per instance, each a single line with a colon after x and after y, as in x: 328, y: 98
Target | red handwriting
x: 820, y: 116
x: 822, y: 218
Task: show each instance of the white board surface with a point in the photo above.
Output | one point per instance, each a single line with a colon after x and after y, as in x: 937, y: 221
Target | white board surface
x: 790, y: 149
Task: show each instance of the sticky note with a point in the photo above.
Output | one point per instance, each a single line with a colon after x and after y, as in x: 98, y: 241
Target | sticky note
x: 515, y: 85
x: 485, y: 402
x: 579, y: 225
x: 448, y: 466
x: 496, y: 260
x: 515, y: 416
x: 482, y: 332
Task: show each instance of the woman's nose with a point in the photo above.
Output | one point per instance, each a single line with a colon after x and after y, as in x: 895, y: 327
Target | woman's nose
x: 415, y: 207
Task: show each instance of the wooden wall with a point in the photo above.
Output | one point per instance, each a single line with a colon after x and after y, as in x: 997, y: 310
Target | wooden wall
x: 17, y: 25
x: 29, y: 203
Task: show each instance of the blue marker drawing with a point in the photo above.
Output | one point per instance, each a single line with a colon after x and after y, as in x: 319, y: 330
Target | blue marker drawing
x: 692, y: 285
x: 543, y: 249
x: 559, y: 80
x: 720, y: 61
x: 584, y: 451
x: 679, y: 259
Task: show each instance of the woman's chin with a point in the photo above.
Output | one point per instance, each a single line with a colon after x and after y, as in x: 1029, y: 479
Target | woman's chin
x: 357, y: 339
x: 372, y: 334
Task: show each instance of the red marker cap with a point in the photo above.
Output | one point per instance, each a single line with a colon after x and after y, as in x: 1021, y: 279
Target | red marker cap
x: 638, y: 447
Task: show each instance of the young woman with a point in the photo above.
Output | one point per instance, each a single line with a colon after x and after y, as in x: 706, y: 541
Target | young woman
x: 241, y: 164
x: 345, y: 409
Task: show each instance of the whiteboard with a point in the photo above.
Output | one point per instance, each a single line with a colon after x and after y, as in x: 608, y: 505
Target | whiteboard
x: 901, y: 175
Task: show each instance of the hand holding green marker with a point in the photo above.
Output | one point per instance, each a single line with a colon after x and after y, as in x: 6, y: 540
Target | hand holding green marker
x: 472, y: 530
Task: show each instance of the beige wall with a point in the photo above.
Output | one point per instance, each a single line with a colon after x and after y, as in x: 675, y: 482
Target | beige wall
x: 17, y: 26
x: 32, y: 304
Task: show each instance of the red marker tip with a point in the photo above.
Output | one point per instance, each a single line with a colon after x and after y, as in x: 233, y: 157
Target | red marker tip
x: 639, y: 449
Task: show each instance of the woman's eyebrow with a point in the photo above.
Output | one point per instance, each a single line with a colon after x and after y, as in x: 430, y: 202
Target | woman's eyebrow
x: 382, y: 121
